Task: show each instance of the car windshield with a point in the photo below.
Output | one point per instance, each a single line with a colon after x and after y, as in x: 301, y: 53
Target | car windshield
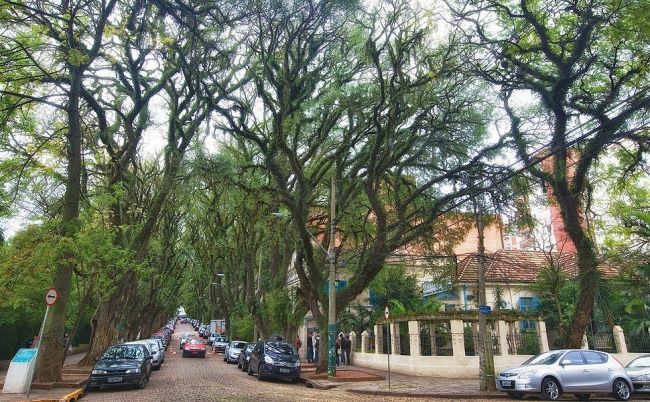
x: 544, y: 359
x: 196, y: 341
x: 222, y: 340
x: 238, y: 345
x: 124, y: 352
x: 280, y: 348
x: 643, y: 361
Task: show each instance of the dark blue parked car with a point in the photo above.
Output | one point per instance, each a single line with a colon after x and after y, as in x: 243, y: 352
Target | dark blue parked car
x: 274, y: 359
x: 121, y: 365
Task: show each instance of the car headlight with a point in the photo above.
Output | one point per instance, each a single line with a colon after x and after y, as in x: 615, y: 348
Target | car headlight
x: 644, y: 377
x: 297, y: 363
x: 527, y: 374
x: 133, y: 371
x: 268, y: 360
x: 99, y: 372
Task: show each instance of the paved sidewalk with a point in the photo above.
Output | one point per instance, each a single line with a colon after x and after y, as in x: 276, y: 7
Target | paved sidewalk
x: 54, y: 394
x: 405, y: 385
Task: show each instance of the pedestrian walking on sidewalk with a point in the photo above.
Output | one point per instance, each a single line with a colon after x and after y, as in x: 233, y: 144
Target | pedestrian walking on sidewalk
x: 310, y: 347
x: 347, y: 349
x: 298, y: 344
x: 339, y: 355
x: 316, y: 347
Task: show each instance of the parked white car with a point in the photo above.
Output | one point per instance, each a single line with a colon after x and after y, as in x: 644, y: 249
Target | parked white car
x: 639, y: 372
x: 232, y: 351
x: 154, y: 350
x: 572, y: 371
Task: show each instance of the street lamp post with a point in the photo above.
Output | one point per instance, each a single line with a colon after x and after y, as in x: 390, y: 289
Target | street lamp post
x: 331, y: 318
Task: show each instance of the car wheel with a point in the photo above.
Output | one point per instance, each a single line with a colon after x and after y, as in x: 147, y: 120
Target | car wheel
x: 203, y: 355
x: 516, y: 395
x: 90, y: 389
x: 551, y: 389
x: 583, y: 397
x: 260, y: 377
x: 621, y: 390
x: 156, y: 368
x: 250, y: 370
x: 143, y: 382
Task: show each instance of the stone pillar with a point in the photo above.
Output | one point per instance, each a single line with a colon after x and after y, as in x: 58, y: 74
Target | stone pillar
x: 619, y: 339
x: 364, y: 341
x: 379, y: 339
x: 414, y: 338
x: 502, y: 329
x: 457, y: 337
x: 394, y: 339
x: 585, y: 342
x: 543, y: 337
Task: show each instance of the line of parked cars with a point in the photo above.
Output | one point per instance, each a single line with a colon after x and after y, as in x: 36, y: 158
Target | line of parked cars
x: 130, y: 363
x: 575, y: 371
x: 270, y: 358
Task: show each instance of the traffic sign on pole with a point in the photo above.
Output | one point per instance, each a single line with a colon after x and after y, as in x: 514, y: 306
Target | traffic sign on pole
x: 51, y: 296
x: 386, y: 314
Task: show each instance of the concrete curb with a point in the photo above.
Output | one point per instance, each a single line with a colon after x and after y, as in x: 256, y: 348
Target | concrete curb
x: 428, y: 394
x: 71, y: 397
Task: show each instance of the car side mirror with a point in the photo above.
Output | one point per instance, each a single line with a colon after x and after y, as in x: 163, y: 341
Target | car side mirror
x: 566, y: 362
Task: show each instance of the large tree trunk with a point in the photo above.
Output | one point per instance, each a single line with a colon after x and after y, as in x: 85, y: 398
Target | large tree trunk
x: 588, y: 274
x: 52, y: 344
x: 105, y: 332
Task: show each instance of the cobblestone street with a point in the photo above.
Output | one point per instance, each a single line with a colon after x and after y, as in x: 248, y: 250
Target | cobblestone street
x: 209, y: 379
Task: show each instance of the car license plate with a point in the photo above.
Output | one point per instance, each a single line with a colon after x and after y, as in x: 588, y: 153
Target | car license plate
x: 284, y: 370
x: 506, y: 383
x: 114, y: 379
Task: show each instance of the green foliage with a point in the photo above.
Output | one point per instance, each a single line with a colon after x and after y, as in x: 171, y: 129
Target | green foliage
x: 241, y: 323
x: 394, y: 284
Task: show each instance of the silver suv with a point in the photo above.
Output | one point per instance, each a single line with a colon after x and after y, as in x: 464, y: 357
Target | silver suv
x: 573, y: 371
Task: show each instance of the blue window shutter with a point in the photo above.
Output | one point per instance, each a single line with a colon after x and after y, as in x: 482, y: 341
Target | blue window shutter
x: 536, y: 303
x: 372, y: 298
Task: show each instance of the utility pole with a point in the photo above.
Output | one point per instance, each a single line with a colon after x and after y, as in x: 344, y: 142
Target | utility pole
x: 331, y: 319
x: 485, y: 343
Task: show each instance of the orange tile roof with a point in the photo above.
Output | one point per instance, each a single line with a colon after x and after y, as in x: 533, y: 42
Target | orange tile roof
x: 521, y: 266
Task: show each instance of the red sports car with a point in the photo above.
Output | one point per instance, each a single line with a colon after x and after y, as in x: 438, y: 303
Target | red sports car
x: 194, y: 346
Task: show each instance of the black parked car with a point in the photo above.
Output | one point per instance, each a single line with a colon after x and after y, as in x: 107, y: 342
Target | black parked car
x: 244, y: 355
x: 121, y: 365
x: 273, y: 358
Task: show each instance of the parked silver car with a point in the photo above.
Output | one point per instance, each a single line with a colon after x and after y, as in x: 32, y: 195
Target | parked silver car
x: 639, y: 372
x: 232, y: 351
x: 573, y: 371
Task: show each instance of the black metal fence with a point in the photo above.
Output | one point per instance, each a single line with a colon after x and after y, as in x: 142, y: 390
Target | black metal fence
x: 639, y: 343
x: 441, y: 345
x: 602, y: 341
x: 472, y: 342
x: 522, y: 343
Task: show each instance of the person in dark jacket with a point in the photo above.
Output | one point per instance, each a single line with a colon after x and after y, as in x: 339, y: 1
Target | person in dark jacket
x: 347, y: 349
x: 310, y: 348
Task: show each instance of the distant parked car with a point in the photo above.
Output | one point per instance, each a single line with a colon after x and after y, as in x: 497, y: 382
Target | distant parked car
x: 242, y: 361
x: 573, y: 371
x: 121, y: 365
x: 220, y: 343
x: 232, y: 351
x: 639, y: 372
x: 184, y: 338
x: 194, y: 346
x: 275, y: 359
